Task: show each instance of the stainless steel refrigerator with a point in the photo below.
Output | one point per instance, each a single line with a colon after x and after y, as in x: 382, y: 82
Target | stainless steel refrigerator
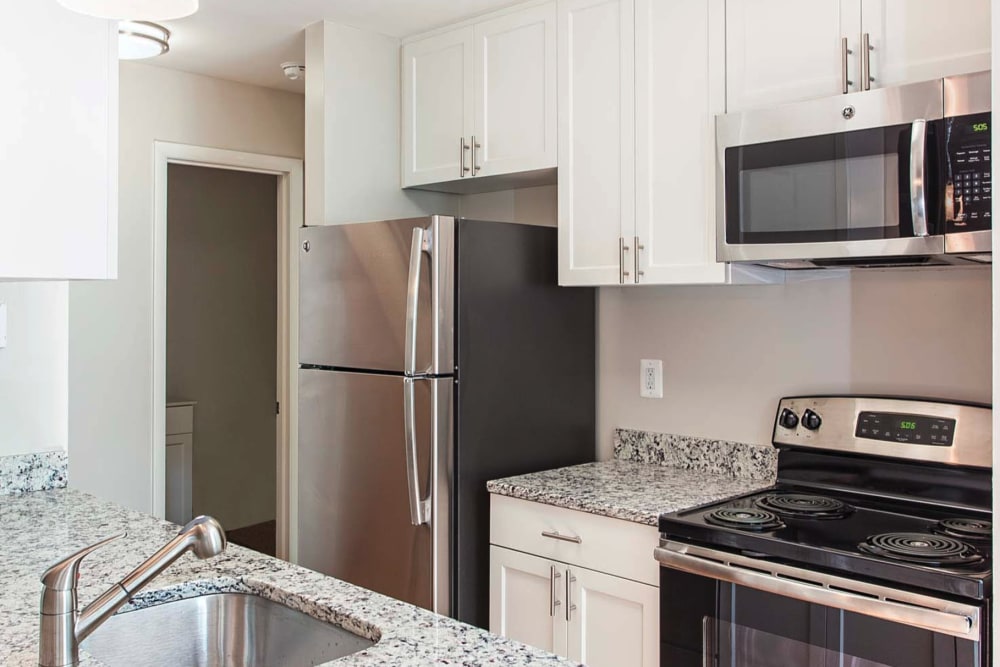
x: 435, y: 354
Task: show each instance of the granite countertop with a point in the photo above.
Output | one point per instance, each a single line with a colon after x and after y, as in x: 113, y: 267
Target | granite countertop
x: 39, y: 528
x: 630, y: 490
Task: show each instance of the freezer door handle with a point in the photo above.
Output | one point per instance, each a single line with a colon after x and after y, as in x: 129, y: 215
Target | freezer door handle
x: 413, y: 302
x: 419, y: 507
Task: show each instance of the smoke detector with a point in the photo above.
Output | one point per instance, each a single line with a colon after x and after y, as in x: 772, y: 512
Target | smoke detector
x: 294, y: 71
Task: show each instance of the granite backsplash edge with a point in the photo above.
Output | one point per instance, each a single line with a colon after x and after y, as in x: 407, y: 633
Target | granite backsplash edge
x: 736, y: 459
x: 40, y: 471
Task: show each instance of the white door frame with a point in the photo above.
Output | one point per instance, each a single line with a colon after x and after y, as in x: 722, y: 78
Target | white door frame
x: 290, y: 218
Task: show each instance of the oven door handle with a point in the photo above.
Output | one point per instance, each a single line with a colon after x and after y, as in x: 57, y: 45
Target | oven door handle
x: 918, y: 184
x: 903, y: 607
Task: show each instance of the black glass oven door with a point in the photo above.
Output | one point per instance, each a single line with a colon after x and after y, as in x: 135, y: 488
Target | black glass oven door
x: 710, y: 623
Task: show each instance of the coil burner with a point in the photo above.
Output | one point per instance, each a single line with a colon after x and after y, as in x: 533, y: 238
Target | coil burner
x: 804, y: 506
x: 744, y: 518
x: 921, y: 548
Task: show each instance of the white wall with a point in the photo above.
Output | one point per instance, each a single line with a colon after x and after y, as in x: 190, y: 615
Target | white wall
x: 353, y: 130
x: 110, y: 323
x: 533, y: 206
x: 33, y: 393
x: 729, y: 353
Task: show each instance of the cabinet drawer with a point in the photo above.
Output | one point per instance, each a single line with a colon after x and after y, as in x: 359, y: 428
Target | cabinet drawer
x: 180, y: 419
x: 614, y: 546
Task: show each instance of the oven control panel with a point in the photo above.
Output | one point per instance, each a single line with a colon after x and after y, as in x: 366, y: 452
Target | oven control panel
x: 969, y: 190
x: 897, y: 427
x: 893, y: 427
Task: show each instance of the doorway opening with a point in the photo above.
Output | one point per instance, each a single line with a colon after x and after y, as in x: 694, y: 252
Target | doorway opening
x: 222, y: 375
x: 225, y: 287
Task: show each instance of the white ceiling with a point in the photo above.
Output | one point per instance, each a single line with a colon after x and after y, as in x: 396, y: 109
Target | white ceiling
x: 247, y: 40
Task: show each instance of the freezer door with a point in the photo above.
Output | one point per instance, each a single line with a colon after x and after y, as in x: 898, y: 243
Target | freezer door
x: 354, y: 508
x: 360, y: 283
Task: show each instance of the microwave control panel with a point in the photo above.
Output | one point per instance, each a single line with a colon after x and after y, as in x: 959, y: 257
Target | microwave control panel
x: 969, y: 194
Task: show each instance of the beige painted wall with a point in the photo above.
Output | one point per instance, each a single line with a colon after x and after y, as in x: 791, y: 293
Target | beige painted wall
x: 110, y: 323
x: 33, y: 392
x: 729, y: 353
x: 222, y: 251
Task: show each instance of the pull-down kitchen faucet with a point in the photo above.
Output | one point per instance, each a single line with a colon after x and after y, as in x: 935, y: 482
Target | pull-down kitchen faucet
x: 60, y: 628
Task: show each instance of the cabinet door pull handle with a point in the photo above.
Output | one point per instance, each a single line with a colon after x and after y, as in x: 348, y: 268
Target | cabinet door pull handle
x: 866, y: 62
x: 844, y: 52
x: 622, y: 249
x: 553, y: 602
x: 570, y: 607
x: 555, y: 535
x: 475, y: 165
x: 638, y: 248
x: 462, y: 147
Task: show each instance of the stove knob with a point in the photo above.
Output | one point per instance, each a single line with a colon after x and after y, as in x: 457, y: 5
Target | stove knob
x: 811, y: 420
x: 788, y: 419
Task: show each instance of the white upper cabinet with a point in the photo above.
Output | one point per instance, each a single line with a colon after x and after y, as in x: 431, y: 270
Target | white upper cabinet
x: 515, y: 92
x: 916, y: 41
x: 596, y: 141
x: 480, y: 100
x: 675, y: 158
x: 58, y: 144
x: 781, y: 51
x: 437, y: 107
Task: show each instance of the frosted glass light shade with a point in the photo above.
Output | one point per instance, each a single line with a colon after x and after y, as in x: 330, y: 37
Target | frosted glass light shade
x: 139, y: 10
x: 141, y: 39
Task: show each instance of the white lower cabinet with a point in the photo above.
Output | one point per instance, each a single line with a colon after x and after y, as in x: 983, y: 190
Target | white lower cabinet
x: 578, y: 585
x: 591, y: 617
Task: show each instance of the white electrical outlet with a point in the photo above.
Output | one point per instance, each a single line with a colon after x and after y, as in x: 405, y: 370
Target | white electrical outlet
x: 3, y: 325
x: 651, y: 378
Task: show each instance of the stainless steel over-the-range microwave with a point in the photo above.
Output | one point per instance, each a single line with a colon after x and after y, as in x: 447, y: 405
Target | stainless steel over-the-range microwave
x: 896, y: 176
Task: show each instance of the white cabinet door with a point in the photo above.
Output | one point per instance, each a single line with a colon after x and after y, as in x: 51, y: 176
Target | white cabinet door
x: 788, y: 50
x: 58, y: 143
x: 917, y: 41
x: 615, y: 622
x: 437, y: 107
x: 178, y: 473
x: 515, y: 92
x: 675, y: 147
x: 596, y: 140
x: 526, y: 599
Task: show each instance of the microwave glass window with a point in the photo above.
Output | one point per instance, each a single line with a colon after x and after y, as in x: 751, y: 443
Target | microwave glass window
x: 854, y: 193
x: 836, y: 187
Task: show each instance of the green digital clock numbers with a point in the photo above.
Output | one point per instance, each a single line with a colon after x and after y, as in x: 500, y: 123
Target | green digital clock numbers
x: 980, y: 127
x: 907, y: 426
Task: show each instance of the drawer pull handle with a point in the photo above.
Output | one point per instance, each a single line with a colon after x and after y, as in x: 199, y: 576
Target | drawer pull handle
x: 565, y: 538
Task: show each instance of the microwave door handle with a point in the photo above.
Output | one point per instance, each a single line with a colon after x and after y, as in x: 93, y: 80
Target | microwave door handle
x: 918, y: 192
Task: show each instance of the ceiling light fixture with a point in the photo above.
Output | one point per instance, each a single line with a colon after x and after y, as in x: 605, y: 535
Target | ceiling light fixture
x: 144, y: 10
x: 141, y: 39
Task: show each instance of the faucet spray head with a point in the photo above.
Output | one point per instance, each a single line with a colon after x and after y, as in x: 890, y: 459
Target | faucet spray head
x: 207, y: 538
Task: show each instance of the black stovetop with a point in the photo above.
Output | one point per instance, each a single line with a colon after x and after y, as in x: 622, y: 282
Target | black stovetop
x: 833, y: 543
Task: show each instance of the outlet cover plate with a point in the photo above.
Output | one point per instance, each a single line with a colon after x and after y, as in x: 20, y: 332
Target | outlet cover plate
x: 651, y: 378
x: 3, y: 325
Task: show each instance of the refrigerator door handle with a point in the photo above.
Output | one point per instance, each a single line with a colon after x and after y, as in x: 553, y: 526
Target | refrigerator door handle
x: 413, y: 302
x: 419, y: 507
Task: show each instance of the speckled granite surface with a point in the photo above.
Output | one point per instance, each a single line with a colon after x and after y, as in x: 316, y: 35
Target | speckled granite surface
x: 36, y: 529
x: 628, y: 490
x: 723, y: 457
x: 33, y: 472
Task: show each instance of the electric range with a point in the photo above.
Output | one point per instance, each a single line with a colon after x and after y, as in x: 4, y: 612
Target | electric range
x: 873, y: 546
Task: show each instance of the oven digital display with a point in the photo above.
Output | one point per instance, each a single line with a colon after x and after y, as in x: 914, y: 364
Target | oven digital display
x: 915, y: 429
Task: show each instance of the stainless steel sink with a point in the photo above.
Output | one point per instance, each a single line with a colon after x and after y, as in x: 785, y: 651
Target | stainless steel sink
x: 224, y: 629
